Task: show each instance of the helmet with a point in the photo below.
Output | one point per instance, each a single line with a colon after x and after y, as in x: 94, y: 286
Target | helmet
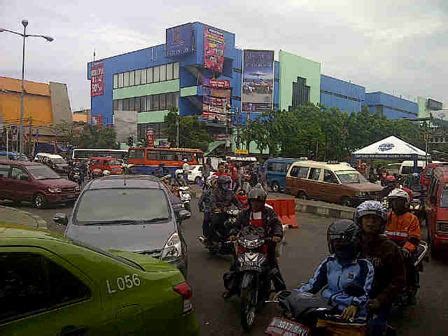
x: 370, y: 208
x: 257, y: 193
x: 343, y: 239
x: 106, y: 172
x: 224, y: 180
x: 399, y: 193
x: 390, y: 178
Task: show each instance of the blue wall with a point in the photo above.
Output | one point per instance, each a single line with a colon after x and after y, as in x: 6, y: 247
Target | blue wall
x: 390, y: 106
x: 341, y: 94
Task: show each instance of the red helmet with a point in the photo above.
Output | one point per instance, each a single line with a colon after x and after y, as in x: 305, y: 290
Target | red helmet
x: 390, y: 178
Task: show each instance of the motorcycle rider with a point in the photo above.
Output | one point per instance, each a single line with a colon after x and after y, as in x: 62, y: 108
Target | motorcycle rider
x: 403, y: 227
x: 387, y: 260
x: 260, y: 214
x: 205, y: 205
x: 345, y: 278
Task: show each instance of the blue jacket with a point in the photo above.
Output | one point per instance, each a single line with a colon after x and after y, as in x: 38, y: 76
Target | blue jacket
x: 333, y: 277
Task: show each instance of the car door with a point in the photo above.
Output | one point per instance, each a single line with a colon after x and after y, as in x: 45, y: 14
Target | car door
x: 331, y: 189
x: 4, y: 181
x: 314, y: 184
x: 42, y: 294
x: 22, y: 187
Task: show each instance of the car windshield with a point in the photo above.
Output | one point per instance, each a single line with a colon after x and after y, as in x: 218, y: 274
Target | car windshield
x: 42, y: 173
x: 122, y: 206
x: 112, y: 163
x: 444, y: 198
x: 350, y: 176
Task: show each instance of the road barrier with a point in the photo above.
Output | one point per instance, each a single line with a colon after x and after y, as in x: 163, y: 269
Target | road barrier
x: 285, y: 210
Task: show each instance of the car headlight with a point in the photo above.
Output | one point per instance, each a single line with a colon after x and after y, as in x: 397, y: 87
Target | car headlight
x: 362, y: 194
x: 172, y: 249
x: 54, y: 190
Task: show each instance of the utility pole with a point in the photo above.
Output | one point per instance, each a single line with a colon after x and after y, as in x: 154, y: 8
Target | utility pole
x: 177, y: 131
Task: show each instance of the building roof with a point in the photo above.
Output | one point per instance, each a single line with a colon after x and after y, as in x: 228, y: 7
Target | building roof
x: 14, y: 85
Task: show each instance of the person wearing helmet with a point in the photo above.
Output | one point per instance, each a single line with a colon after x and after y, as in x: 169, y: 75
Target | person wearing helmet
x: 387, y: 260
x: 205, y: 205
x: 346, y: 279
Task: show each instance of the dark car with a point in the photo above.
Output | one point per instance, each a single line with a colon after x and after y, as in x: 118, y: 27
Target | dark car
x: 36, y: 183
x: 131, y: 213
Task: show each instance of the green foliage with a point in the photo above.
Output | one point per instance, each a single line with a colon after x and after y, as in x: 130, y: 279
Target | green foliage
x: 86, y: 136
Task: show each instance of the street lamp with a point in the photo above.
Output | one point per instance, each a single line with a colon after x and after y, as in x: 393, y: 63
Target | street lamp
x: 24, y: 35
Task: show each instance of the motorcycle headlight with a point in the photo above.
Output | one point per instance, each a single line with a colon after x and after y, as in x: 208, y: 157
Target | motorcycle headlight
x: 172, y: 249
x: 54, y: 190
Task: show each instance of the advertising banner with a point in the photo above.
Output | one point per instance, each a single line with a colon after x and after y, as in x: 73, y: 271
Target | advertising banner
x: 150, y: 138
x: 97, y: 79
x: 214, y: 44
x: 214, y: 117
x: 258, y: 80
x: 179, y: 40
x: 217, y: 83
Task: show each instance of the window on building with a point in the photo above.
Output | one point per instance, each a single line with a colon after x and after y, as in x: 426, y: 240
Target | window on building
x: 131, y: 104
x: 138, y: 77
x: 169, y: 100
x: 176, y: 100
x: 163, y: 73
x: 126, y: 104
x: 143, y: 79
x: 169, y: 71
x: 162, y: 102
x: 126, y: 79
x: 148, y: 103
x: 131, y: 78
x: 149, y: 75
x: 142, y: 104
x: 115, y: 105
x: 300, y: 92
x: 119, y: 104
x: 156, y: 75
x: 115, y: 81
x: 120, y: 80
x: 155, y: 103
x: 137, y: 104
x: 176, y: 70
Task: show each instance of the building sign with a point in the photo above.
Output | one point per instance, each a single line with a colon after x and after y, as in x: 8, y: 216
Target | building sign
x: 179, y: 40
x: 217, y: 83
x: 97, y: 79
x: 258, y: 80
x: 213, y: 117
x: 214, y: 44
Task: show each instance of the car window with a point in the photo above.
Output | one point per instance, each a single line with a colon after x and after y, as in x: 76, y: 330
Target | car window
x: 4, y: 170
x: 350, y: 176
x: 314, y: 174
x: 42, y: 173
x: 444, y: 198
x: 31, y: 283
x: 17, y: 173
x: 329, y: 176
x: 104, y: 206
x: 300, y: 172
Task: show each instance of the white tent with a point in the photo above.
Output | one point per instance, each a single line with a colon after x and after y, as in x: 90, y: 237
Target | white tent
x: 390, y: 148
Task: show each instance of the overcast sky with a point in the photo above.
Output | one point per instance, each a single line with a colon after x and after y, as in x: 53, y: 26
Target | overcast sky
x: 399, y: 46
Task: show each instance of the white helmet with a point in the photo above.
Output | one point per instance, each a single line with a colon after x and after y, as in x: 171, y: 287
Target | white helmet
x: 399, y: 193
x: 106, y: 172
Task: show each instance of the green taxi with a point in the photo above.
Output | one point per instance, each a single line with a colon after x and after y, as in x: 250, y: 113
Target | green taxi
x: 53, y: 286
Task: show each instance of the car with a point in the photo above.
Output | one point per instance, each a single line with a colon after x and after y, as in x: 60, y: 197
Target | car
x: 54, y: 161
x: 110, y: 164
x: 51, y: 285
x: 14, y: 156
x: 132, y: 213
x: 194, y: 174
x: 36, y: 183
x: 276, y: 169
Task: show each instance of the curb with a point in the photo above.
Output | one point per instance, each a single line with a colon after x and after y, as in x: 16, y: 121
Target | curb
x: 330, y: 210
x: 37, y: 221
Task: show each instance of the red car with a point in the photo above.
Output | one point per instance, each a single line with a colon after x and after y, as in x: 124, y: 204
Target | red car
x: 105, y: 163
x: 36, y: 183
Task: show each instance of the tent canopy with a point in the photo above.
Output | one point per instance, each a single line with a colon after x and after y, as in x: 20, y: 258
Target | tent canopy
x: 390, y: 148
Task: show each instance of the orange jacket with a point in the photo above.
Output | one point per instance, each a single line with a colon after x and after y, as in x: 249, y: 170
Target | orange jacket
x: 404, y: 230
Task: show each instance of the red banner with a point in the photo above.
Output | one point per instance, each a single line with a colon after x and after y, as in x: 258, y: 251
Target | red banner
x: 97, y: 79
x: 213, y: 49
x: 217, y: 83
x: 210, y: 116
x: 150, y: 139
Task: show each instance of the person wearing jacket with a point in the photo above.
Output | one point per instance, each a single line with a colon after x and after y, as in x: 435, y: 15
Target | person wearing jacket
x: 204, y: 204
x: 387, y: 260
x: 344, y: 278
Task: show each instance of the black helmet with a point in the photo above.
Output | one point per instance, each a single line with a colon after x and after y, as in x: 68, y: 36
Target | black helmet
x: 257, y: 193
x: 343, y: 239
x: 224, y: 180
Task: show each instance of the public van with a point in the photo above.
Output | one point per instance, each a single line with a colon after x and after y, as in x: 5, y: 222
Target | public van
x: 407, y: 167
x: 330, y: 182
x: 437, y: 209
x: 276, y: 170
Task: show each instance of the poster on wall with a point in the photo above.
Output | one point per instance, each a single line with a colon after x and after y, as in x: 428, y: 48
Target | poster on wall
x: 258, y: 80
x: 179, y: 40
x: 97, y: 79
x: 214, y: 44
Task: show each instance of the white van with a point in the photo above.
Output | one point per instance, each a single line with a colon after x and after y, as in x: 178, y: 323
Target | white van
x: 407, y: 167
x: 54, y: 161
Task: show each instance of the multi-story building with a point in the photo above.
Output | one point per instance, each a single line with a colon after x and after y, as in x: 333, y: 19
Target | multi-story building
x: 341, y: 94
x: 390, y: 106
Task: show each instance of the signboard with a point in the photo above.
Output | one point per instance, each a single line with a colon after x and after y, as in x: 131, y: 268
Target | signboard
x: 97, y: 79
x: 212, y: 116
x: 434, y: 104
x: 217, y: 83
x: 214, y: 44
x: 258, y: 80
x: 150, y: 139
x: 179, y: 40
x: 241, y: 151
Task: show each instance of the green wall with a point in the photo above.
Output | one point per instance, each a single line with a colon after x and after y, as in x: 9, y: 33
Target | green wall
x: 422, y: 110
x: 147, y: 89
x: 293, y: 66
x: 151, y: 117
x: 189, y: 91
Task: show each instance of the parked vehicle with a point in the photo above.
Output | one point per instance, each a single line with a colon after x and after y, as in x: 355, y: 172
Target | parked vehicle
x: 194, y: 175
x: 131, y: 213
x: 425, y: 176
x: 85, y: 154
x: 13, y: 156
x: 36, y: 183
x: 54, y: 161
x: 276, y: 170
x: 330, y: 182
x: 101, y: 164
x: 407, y: 167
x: 437, y: 210
x: 54, y: 286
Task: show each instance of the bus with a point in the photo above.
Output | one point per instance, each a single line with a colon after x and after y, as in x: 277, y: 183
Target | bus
x: 147, y: 160
x: 84, y: 153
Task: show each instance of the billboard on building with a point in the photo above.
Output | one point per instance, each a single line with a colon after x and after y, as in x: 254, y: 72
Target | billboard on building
x: 214, y: 44
x: 97, y: 79
x: 217, y: 88
x: 179, y: 40
x: 258, y: 80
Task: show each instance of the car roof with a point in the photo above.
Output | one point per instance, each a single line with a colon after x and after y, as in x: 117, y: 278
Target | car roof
x: 324, y: 165
x: 15, y: 231
x: 125, y: 181
x: 282, y: 159
x: 20, y: 163
x: 51, y: 156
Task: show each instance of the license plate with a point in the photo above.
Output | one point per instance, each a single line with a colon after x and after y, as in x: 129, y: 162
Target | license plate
x: 283, y: 327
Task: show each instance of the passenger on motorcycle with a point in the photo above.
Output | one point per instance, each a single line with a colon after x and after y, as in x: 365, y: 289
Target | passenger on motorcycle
x: 260, y: 214
x: 345, y: 278
x: 387, y: 260
x: 205, y: 204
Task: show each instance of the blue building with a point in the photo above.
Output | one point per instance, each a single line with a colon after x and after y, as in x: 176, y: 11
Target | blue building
x: 390, y: 106
x: 341, y: 94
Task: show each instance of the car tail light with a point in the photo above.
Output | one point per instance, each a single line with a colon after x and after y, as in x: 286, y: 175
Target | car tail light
x: 185, y: 291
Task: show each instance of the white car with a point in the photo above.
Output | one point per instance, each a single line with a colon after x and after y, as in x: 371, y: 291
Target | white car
x: 194, y: 175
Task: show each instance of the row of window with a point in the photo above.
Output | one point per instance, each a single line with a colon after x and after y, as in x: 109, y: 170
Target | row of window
x: 161, y: 73
x: 160, y: 155
x: 163, y: 101
x: 159, y: 130
x: 341, y: 96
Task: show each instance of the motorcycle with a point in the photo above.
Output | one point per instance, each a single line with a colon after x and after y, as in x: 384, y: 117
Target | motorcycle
x: 185, y: 197
x: 75, y: 175
x: 218, y: 243
x: 306, y: 314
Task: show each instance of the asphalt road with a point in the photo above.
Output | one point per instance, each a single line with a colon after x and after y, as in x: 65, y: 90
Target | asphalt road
x: 305, y: 248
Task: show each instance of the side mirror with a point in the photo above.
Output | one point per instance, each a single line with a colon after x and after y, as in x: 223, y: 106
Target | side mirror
x: 60, y: 218
x: 183, y: 214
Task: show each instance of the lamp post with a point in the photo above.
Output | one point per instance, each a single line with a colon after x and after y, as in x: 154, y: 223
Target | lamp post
x: 24, y: 35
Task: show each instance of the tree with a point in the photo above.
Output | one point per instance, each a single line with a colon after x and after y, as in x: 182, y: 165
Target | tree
x: 86, y: 136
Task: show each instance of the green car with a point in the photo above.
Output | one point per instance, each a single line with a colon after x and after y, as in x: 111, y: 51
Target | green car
x: 53, y: 286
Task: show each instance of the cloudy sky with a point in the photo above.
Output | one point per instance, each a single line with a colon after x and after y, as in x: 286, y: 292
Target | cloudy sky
x: 399, y: 46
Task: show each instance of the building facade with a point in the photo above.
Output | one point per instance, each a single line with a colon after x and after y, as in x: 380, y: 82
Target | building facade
x: 341, y: 94
x: 390, y: 106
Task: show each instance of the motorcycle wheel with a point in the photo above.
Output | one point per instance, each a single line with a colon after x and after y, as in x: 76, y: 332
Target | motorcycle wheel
x: 247, y: 307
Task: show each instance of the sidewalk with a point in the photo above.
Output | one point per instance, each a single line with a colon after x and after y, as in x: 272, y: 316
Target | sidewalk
x: 11, y: 215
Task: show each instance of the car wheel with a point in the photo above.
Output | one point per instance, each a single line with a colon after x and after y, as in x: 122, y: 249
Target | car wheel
x: 275, y: 187
x: 302, y: 195
x: 39, y: 201
x: 345, y: 201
